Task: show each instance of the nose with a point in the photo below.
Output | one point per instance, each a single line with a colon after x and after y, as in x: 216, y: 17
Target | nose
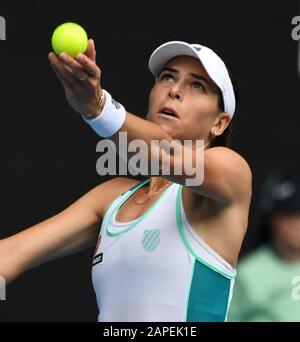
x: 175, y: 92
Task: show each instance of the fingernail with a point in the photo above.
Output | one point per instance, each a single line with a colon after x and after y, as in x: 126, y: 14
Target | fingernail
x: 79, y: 57
x: 63, y: 56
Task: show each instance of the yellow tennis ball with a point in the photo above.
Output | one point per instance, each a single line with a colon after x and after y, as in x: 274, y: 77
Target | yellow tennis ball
x: 70, y: 38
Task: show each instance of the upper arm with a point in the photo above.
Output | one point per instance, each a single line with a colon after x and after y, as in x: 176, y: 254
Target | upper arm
x: 223, y: 175
x: 72, y: 230
x: 69, y: 231
x: 227, y: 176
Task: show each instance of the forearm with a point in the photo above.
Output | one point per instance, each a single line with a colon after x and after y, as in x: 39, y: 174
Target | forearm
x: 70, y: 231
x: 146, y: 131
x: 8, y: 269
x: 138, y: 128
x: 47, y: 241
x: 37, y: 245
x: 166, y: 156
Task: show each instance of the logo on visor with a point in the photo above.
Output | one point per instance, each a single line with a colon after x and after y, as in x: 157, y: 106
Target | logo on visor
x: 197, y: 48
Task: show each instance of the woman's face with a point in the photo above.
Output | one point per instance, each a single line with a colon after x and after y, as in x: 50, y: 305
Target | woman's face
x: 184, y: 101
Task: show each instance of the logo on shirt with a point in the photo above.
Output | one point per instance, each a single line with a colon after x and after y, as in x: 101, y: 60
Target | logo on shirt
x: 151, y: 239
x: 98, y: 259
x: 296, y: 290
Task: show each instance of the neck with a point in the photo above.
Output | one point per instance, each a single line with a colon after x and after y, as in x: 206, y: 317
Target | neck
x: 157, y: 183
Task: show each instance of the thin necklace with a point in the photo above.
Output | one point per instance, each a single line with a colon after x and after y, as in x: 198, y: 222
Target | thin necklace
x: 151, y: 195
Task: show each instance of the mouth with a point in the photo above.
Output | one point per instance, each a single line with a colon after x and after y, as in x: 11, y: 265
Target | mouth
x: 169, y: 112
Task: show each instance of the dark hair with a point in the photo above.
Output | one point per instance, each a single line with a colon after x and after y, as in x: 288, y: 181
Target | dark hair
x: 279, y: 194
x: 224, y: 138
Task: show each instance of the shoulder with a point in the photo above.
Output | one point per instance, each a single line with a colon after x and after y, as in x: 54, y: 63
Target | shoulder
x: 119, y: 182
x: 233, y: 169
x: 109, y: 190
x: 230, y: 158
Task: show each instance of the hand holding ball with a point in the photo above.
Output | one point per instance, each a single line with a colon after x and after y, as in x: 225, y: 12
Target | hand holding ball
x: 70, y: 38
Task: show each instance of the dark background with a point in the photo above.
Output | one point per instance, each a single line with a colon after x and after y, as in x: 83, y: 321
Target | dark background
x: 48, y: 157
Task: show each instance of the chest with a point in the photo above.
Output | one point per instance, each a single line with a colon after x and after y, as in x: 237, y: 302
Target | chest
x: 130, y: 211
x: 198, y: 209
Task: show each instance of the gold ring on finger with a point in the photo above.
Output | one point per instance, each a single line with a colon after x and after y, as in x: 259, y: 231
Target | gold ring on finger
x: 83, y: 77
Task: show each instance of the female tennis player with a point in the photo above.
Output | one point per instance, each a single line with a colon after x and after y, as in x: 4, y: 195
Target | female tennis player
x: 167, y: 249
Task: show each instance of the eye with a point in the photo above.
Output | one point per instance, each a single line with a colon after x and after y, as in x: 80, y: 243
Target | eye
x: 198, y: 85
x: 166, y: 77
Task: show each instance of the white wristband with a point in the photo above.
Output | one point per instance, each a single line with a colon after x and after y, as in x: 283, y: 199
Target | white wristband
x: 111, y: 118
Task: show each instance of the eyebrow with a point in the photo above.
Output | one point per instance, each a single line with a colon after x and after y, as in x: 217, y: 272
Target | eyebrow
x: 198, y: 77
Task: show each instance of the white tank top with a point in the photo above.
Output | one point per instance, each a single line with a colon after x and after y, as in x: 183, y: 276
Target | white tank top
x: 156, y: 268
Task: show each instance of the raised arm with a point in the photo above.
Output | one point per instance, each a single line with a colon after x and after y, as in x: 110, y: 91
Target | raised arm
x: 227, y: 175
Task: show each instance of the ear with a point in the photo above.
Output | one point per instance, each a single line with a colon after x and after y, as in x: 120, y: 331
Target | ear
x: 220, y: 125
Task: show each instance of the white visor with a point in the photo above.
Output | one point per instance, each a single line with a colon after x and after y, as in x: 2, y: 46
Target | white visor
x: 212, y: 63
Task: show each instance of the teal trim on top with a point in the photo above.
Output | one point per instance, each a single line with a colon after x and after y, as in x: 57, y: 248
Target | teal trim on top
x: 188, y: 244
x: 136, y: 186
x: 113, y: 201
x: 209, y: 295
x: 136, y: 222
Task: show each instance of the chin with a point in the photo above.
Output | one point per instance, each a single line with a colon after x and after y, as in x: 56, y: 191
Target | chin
x: 165, y: 125
x: 166, y: 128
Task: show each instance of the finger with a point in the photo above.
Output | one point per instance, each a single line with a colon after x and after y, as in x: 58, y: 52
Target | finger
x: 66, y: 70
x: 54, y: 59
x: 91, y: 52
x: 63, y: 72
x: 65, y: 82
x: 77, y: 68
x: 89, y: 66
x: 63, y: 67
